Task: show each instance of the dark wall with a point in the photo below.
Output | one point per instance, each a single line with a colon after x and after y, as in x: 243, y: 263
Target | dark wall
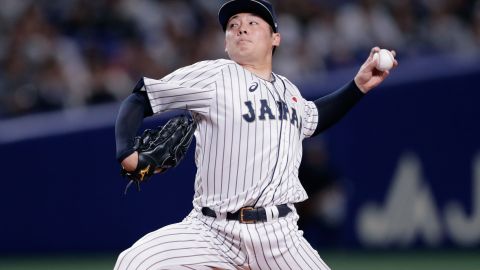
x: 66, y: 193
x: 406, y: 153
x: 409, y: 153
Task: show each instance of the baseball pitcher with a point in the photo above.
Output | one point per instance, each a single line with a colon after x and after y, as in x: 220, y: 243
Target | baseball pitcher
x: 249, y: 124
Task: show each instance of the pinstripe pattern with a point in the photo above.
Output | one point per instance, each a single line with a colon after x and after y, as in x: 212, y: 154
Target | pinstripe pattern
x: 199, y: 242
x: 248, y: 151
x: 240, y: 162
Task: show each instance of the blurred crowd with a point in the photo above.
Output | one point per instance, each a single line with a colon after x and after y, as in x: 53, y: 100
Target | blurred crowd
x: 57, y: 54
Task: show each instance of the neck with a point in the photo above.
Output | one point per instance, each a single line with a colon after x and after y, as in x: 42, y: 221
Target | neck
x: 262, y: 71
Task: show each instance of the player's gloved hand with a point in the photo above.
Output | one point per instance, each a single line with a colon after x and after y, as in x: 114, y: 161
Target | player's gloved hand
x: 161, y: 148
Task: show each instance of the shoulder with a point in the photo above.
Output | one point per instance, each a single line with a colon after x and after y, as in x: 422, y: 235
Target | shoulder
x: 288, y: 84
x: 285, y: 80
x: 292, y: 89
x: 201, y: 69
x: 211, y: 64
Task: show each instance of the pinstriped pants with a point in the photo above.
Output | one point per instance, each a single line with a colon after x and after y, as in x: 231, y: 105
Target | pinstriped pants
x: 200, y: 242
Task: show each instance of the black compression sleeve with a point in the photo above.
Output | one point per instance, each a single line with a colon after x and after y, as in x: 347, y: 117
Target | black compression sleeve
x: 129, y: 119
x: 333, y: 107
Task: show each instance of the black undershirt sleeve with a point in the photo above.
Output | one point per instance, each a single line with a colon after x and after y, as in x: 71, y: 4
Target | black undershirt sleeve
x: 333, y: 107
x: 129, y: 119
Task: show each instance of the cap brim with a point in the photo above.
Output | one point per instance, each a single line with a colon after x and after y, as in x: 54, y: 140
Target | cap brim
x: 251, y: 6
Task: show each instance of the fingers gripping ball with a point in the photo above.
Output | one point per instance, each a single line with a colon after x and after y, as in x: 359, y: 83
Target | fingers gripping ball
x: 384, y: 59
x: 161, y: 148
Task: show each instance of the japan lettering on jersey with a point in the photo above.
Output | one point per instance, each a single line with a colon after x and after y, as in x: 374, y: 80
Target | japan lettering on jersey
x: 249, y: 134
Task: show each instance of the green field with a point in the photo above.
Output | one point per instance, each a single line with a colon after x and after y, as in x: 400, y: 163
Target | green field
x: 337, y: 260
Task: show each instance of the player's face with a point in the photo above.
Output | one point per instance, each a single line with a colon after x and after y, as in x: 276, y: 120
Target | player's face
x: 249, y: 39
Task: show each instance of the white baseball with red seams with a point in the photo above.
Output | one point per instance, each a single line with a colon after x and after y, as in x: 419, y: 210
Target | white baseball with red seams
x: 384, y: 60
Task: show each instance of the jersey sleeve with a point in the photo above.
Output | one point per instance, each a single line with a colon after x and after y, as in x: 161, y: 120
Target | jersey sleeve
x: 310, y: 119
x: 191, y: 88
x: 310, y: 112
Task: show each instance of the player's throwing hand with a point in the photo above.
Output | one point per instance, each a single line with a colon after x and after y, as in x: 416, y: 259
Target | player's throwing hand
x: 368, y: 77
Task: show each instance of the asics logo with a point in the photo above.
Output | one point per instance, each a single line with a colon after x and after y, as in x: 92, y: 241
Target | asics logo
x: 253, y: 87
x: 144, y: 172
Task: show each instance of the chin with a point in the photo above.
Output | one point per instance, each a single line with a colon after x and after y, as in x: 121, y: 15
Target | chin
x: 241, y: 55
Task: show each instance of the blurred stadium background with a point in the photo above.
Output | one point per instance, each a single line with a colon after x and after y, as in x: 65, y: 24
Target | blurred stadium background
x: 394, y: 185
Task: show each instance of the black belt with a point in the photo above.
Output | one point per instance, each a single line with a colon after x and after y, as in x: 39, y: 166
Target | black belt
x: 249, y: 214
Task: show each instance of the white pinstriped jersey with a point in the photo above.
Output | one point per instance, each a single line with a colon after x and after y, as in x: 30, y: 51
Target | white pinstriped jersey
x: 248, y: 151
x: 249, y: 134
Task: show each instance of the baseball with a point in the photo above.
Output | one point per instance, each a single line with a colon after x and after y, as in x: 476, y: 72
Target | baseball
x: 384, y: 59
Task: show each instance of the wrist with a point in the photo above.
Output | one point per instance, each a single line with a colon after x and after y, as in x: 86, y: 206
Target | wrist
x: 130, y: 163
x: 359, y: 85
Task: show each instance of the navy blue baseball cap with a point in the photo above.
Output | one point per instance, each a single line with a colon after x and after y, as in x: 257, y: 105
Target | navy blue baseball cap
x: 261, y: 8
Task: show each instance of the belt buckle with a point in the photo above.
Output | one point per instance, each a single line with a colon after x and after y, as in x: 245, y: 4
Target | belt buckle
x: 241, y: 215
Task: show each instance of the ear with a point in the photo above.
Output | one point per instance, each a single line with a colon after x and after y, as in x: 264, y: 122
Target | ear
x: 276, y: 39
x: 225, y: 45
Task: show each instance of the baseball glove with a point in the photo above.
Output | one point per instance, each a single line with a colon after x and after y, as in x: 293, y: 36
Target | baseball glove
x: 161, y: 148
